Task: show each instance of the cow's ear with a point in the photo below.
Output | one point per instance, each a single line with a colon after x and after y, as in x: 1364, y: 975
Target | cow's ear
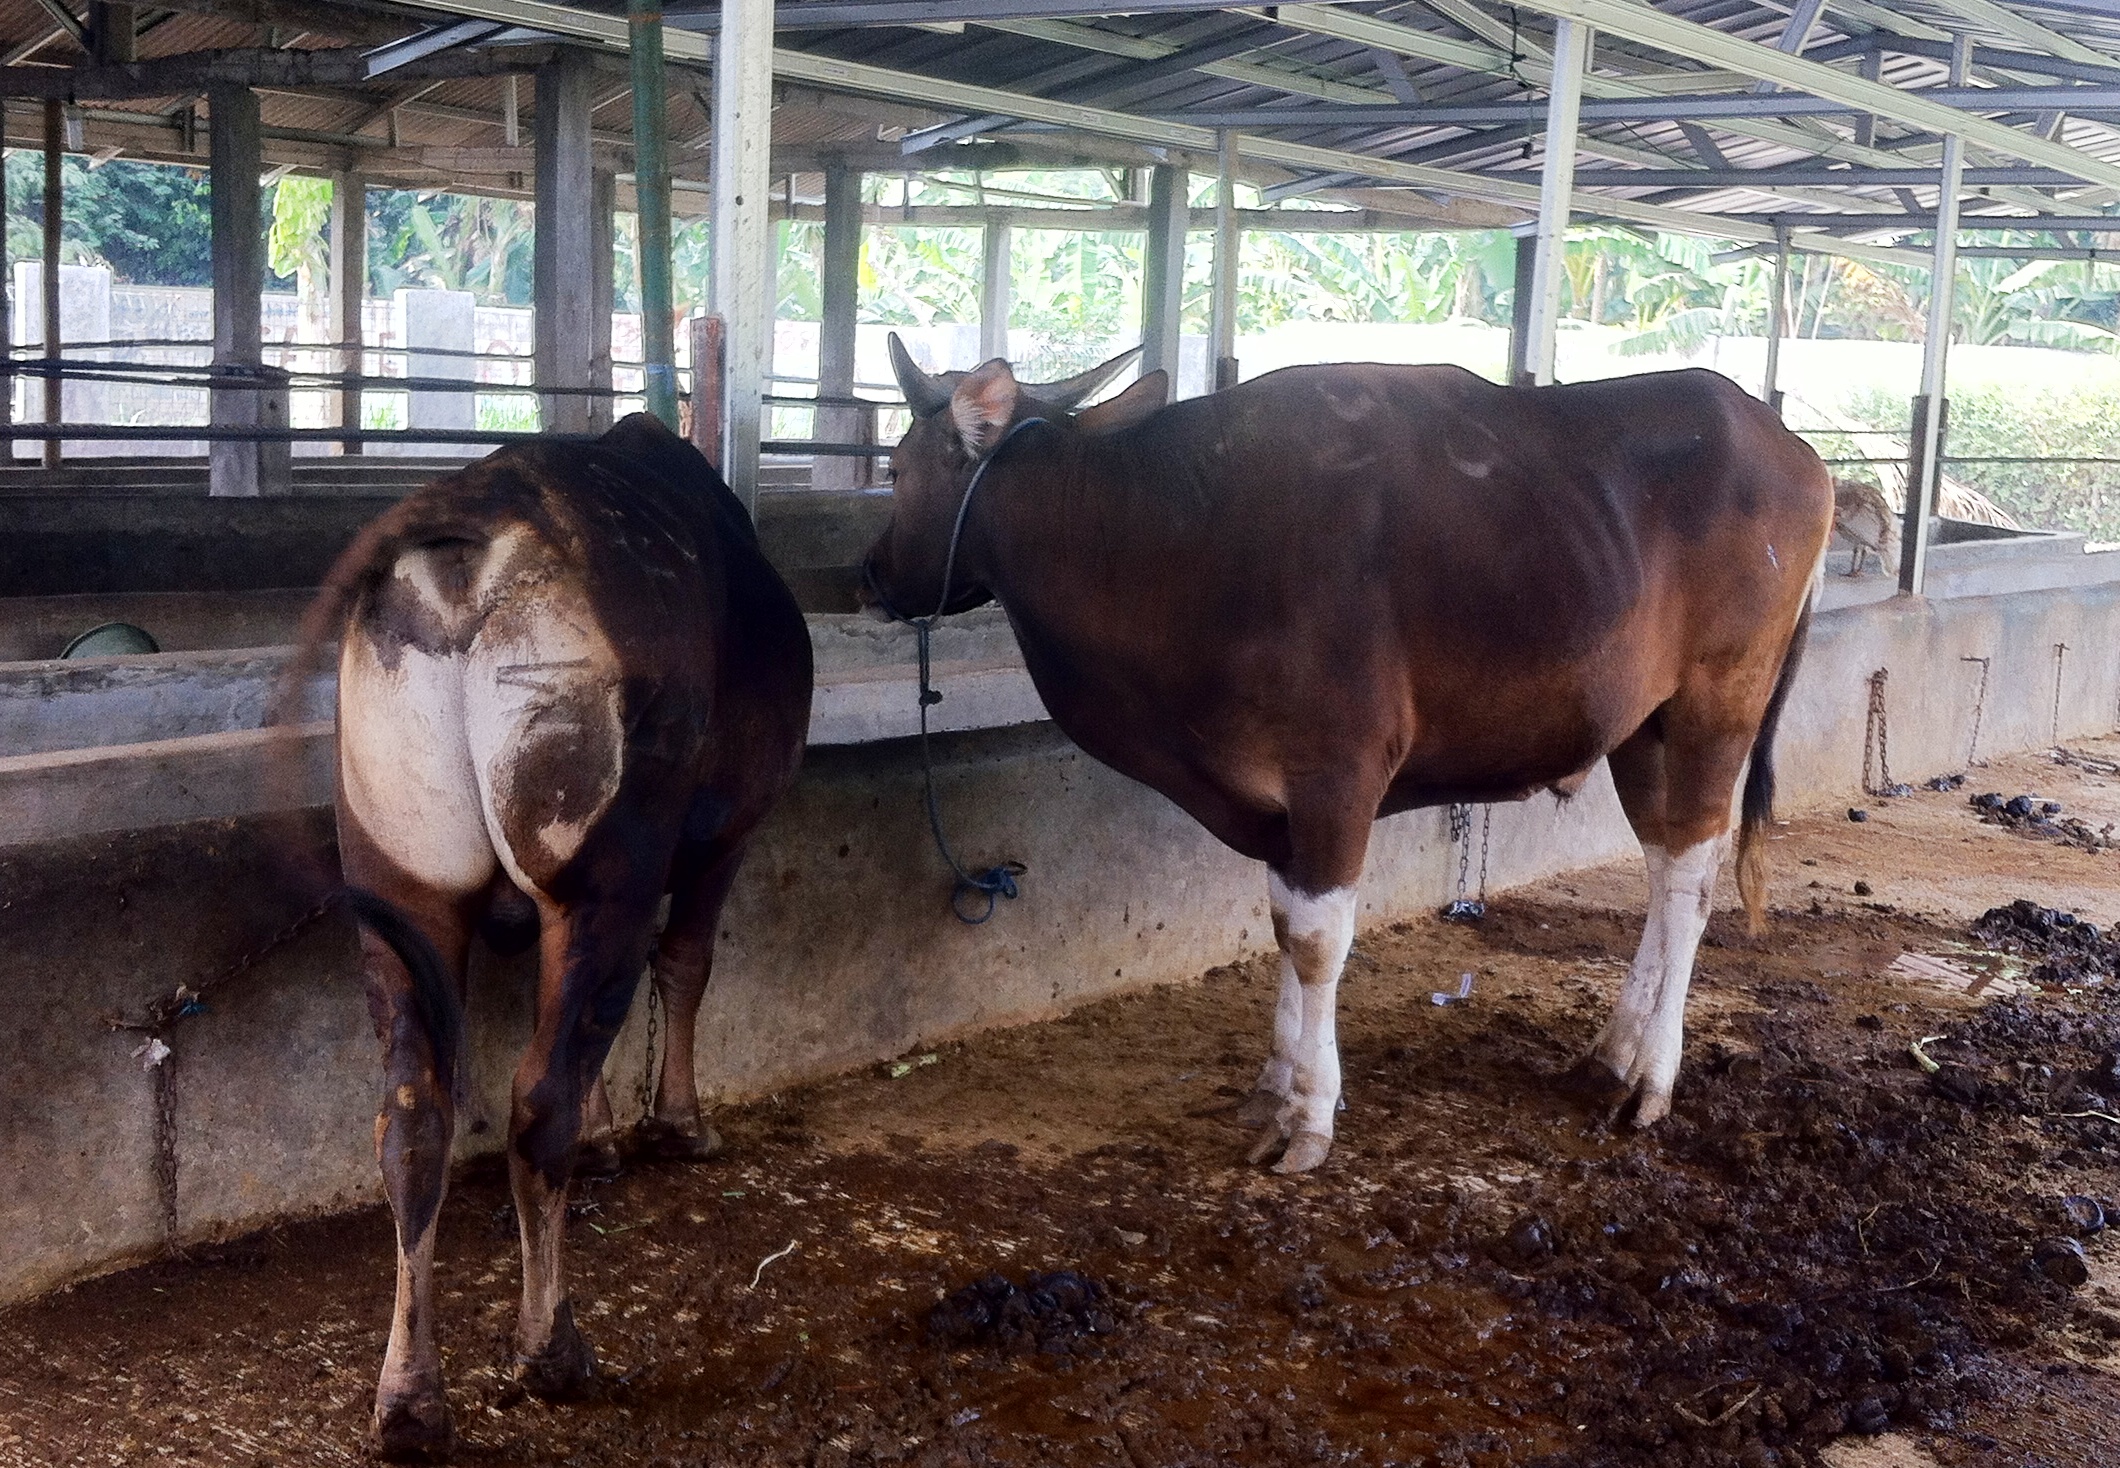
x: 983, y: 405
x: 1128, y: 408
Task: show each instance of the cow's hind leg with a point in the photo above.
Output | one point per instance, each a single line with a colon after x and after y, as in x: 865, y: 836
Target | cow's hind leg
x: 593, y: 953
x: 413, y: 1129
x: 1315, y: 896
x: 1675, y: 777
x: 684, y: 961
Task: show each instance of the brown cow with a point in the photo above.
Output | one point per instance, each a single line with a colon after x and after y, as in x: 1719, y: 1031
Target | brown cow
x: 569, y: 683
x: 1337, y: 592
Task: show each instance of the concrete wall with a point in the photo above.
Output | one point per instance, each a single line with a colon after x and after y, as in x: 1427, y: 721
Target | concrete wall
x: 839, y: 947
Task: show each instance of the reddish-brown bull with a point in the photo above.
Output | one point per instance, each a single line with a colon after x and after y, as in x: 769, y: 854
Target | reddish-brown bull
x: 569, y: 683
x: 1338, y: 592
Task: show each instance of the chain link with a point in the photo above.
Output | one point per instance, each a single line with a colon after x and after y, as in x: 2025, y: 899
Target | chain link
x: 647, y: 1065
x: 1972, y: 750
x: 1465, y: 908
x: 1877, y: 742
x: 160, y: 1060
x: 2060, y: 656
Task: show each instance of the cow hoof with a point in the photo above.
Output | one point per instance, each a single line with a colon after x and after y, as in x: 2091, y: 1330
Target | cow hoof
x: 1261, y: 1108
x: 412, y: 1430
x: 565, y: 1367
x: 1596, y: 1083
x: 1651, y: 1107
x: 1305, y: 1151
x: 1268, y: 1147
x: 670, y: 1142
x: 597, y: 1161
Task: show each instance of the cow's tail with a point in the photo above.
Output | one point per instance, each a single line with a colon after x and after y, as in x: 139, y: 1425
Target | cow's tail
x: 1757, y: 810
x: 434, y: 996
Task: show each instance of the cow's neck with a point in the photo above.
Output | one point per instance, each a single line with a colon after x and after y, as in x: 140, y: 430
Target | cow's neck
x: 1068, y: 547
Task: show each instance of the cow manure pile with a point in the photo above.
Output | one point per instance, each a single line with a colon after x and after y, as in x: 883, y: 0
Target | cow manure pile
x: 2030, y: 815
x: 2067, y: 951
x: 1052, y: 1313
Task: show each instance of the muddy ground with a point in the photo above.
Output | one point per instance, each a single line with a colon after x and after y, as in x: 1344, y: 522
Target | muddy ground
x: 1825, y: 1249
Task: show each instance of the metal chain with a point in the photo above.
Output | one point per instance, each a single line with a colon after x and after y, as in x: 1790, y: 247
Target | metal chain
x: 1877, y: 742
x: 160, y: 1060
x: 1972, y: 750
x: 1463, y: 908
x: 647, y: 1066
x: 2060, y: 655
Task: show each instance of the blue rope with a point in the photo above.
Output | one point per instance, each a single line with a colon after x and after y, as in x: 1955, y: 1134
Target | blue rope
x: 996, y: 882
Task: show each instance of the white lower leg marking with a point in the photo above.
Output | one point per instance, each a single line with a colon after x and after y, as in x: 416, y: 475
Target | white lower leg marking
x: 1645, y: 1037
x: 1319, y: 929
x: 1279, y: 1072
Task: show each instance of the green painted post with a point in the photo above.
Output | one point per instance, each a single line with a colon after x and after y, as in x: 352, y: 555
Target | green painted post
x: 651, y: 191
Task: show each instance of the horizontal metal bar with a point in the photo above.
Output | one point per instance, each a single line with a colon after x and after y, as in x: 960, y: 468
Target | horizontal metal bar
x: 923, y: 12
x: 822, y: 450
x: 1703, y: 107
x: 228, y: 433
x: 1993, y: 58
x: 1967, y: 223
x: 1811, y: 176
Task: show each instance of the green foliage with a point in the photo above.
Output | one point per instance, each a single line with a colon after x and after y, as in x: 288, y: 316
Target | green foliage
x: 453, y: 242
x: 151, y: 224
x: 298, y: 244
x: 2012, y: 421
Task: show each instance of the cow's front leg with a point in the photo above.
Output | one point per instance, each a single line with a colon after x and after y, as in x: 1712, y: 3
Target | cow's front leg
x: 1278, y: 1076
x: 1315, y: 930
x: 1636, y: 1056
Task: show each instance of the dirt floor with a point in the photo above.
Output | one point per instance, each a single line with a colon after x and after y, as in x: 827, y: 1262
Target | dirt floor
x: 1827, y: 1250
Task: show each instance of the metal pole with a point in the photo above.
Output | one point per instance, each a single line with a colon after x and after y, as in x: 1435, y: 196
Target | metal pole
x: 1163, y: 270
x: 994, y: 292
x: 651, y: 194
x: 7, y: 320
x: 839, y: 300
x: 1526, y: 254
x: 54, y: 337
x: 1925, y: 473
x: 1777, y: 318
x: 741, y: 171
x: 1229, y: 247
x: 1571, y: 56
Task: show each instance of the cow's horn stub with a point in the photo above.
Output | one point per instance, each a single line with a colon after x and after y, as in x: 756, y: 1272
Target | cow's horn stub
x: 1070, y: 393
x: 923, y: 394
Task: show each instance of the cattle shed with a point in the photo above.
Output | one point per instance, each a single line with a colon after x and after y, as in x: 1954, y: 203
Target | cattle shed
x: 1870, y: 1234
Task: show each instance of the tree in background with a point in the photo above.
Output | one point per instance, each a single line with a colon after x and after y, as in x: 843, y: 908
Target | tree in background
x: 298, y: 245
x: 150, y: 223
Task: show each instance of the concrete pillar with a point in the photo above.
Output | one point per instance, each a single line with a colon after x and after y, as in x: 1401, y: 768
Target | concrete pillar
x: 1229, y: 250
x: 1571, y: 58
x: 571, y: 249
x: 1777, y: 319
x: 1925, y: 473
x: 54, y: 203
x: 603, y: 286
x: 839, y: 293
x: 7, y: 325
x: 241, y: 467
x: 1519, y: 368
x: 113, y: 31
x: 994, y: 291
x: 1163, y: 270
x: 742, y: 275
x: 443, y: 322
x: 349, y: 288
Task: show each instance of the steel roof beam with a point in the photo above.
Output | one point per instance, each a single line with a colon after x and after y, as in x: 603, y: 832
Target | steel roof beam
x: 2077, y: 101
x: 1987, y: 57
x: 1648, y: 27
x: 831, y: 14
x: 1767, y: 180
x: 1916, y: 222
x: 2006, y: 22
x: 1141, y: 48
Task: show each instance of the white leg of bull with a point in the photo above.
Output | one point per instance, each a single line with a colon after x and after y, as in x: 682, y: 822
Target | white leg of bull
x: 1315, y: 931
x: 1278, y: 1076
x: 1642, y: 1042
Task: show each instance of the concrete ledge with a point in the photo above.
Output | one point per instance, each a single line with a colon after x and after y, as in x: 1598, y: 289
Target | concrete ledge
x: 80, y: 703
x: 130, y: 787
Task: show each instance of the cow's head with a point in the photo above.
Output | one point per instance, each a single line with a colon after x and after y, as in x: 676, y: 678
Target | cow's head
x: 959, y: 418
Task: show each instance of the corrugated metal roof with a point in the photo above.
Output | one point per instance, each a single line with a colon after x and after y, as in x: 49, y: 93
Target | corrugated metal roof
x: 1267, y: 73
